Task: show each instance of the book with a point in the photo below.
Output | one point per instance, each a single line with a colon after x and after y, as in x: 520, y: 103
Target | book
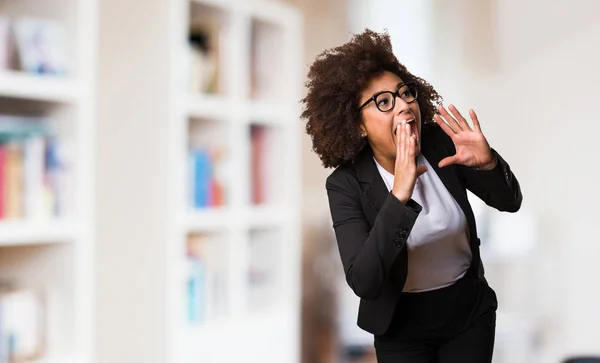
x: 257, y: 152
x: 22, y: 325
x: 202, y: 171
x: 207, y: 273
x: 266, y: 162
x: 196, y: 280
x: 206, y: 180
x: 34, y: 179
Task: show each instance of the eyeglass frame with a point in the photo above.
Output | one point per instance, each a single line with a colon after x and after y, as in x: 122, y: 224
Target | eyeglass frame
x: 395, y: 94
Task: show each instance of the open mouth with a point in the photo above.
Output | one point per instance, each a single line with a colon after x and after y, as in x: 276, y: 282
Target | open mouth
x: 413, y: 129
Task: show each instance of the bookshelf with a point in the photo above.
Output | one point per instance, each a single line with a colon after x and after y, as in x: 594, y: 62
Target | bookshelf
x: 47, y: 121
x: 252, y: 237
x: 23, y: 232
x: 20, y: 85
x: 200, y: 238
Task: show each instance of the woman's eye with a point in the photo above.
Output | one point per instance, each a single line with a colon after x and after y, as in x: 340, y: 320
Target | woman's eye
x: 383, y: 102
x: 404, y: 92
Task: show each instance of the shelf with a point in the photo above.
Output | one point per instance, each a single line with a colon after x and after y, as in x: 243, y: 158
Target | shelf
x: 65, y: 359
x: 265, y: 216
x: 40, y: 88
x: 224, y: 5
x: 18, y: 232
x: 226, y: 324
x: 210, y: 219
x: 215, y: 219
x: 218, y: 108
x: 208, y: 106
x: 265, y: 113
x: 277, y: 13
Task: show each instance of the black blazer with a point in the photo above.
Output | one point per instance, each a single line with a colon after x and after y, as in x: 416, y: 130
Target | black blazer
x: 372, y: 225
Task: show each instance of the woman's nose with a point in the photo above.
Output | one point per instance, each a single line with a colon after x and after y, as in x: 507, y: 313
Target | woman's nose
x: 401, y: 106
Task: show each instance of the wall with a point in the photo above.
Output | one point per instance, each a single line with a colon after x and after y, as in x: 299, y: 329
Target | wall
x: 529, y: 70
x: 533, y: 91
x: 130, y: 213
x: 325, y: 26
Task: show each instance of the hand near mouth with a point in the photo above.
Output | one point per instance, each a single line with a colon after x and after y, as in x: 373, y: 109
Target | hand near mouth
x: 472, y: 148
x: 406, y: 170
x: 411, y: 126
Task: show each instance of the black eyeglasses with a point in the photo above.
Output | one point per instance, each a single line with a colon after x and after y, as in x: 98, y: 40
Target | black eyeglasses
x: 386, y: 100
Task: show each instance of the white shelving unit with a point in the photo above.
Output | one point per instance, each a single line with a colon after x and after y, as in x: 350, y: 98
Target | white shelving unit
x: 54, y: 254
x: 31, y: 87
x: 253, y: 254
x: 23, y: 232
x: 264, y: 324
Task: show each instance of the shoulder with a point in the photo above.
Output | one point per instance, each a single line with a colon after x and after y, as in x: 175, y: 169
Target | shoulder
x: 343, y: 188
x: 343, y: 176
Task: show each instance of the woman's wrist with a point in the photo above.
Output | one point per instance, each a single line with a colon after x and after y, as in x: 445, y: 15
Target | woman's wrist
x: 489, y: 165
x: 402, y: 197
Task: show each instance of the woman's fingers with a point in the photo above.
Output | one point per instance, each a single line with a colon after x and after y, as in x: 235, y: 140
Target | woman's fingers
x: 447, y: 129
x: 402, y: 132
x: 460, y: 119
x: 406, y: 149
x: 409, y: 145
x: 412, y: 147
x: 449, y: 119
x: 397, y: 136
x: 448, y: 161
x: 475, y: 120
x: 406, y: 171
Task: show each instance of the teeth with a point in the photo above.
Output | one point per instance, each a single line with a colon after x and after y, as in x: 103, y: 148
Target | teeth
x: 409, y: 121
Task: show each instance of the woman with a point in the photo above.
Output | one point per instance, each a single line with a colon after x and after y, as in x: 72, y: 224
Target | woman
x: 404, y: 227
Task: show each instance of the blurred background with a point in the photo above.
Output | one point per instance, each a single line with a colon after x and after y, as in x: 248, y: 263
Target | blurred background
x: 160, y: 202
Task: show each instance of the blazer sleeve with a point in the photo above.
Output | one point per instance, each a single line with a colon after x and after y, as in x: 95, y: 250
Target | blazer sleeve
x: 367, y: 254
x: 498, y: 187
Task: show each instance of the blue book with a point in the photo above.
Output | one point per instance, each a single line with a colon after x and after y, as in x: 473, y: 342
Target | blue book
x: 202, y: 165
x: 53, y: 169
x: 196, y: 291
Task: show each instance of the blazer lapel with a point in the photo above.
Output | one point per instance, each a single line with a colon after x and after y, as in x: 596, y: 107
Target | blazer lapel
x: 373, y: 187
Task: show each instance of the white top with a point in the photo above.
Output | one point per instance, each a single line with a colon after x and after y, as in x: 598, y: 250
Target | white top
x: 438, y: 244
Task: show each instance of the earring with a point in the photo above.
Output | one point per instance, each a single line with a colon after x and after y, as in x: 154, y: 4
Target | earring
x: 363, y: 134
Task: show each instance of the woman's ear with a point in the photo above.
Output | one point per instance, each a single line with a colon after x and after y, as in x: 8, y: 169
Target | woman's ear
x: 363, y: 130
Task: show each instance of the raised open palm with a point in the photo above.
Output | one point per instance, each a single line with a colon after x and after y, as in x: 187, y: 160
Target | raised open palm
x: 472, y: 148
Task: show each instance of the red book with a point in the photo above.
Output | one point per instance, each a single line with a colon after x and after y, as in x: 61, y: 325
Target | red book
x: 2, y: 181
x: 257, y: 140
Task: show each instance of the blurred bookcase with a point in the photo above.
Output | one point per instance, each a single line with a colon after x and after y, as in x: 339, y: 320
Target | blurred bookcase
x: 198, y: 214
x: 47, y: 120
x: 235, y: 182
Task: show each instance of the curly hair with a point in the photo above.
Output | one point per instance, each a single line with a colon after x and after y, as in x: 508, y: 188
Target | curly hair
x: 335, y: 81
